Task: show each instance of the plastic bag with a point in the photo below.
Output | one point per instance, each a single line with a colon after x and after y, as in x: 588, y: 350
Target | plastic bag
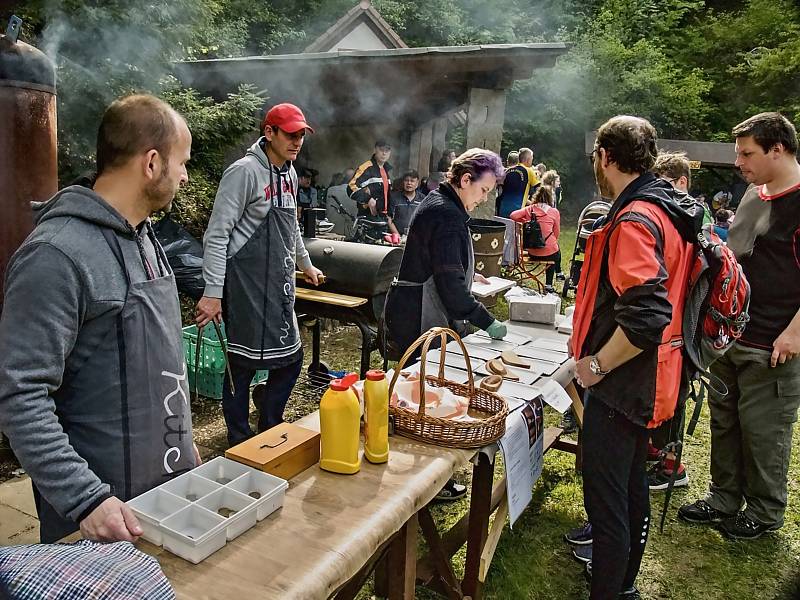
x: 185, y: 256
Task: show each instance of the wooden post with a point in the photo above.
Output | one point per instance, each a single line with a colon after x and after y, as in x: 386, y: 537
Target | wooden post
x: 479, y: 511
x: 486, y: 111
x: 438, y: 142
x: 402, y: 562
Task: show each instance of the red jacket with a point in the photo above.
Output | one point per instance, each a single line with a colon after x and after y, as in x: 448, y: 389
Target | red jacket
x: 635, y: 276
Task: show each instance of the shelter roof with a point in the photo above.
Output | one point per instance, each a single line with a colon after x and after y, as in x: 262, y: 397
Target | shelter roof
x: 408, y: 85
x: 362, y: 15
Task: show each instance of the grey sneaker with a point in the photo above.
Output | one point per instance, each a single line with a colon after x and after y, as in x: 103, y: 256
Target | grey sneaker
x: 580, y: 536
x: 583, y: 553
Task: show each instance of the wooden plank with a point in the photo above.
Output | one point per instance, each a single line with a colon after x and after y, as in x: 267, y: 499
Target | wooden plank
x: 493, y: 539
x: 478, y: 524
x: 577, y: 404
x: 329, y: 298
x: 402, y: 562
x: 449, y: 584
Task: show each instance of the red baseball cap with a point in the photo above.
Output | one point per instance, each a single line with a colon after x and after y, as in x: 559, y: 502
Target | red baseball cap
x: 286, y: 116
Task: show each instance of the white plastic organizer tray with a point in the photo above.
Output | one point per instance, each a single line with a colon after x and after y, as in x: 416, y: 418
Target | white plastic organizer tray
x: 196, y: 513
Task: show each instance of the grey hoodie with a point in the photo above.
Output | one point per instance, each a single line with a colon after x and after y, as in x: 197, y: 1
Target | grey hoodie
x: 239, y: 208
x: 63, y: 291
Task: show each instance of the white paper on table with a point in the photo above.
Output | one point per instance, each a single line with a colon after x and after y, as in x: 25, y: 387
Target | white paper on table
x: 522, y: 446
x: 512, y: 389
x: 553, y: 356
x: 486, y: 342
x: 550, y: 344
x: 565, y: 326
x: 456, y: 361
x: 517, y: 339
x: 475, y: 352
x: 555, y: 395
x: 495, y: 286
x: 526, y: 376
x: 451, y: 374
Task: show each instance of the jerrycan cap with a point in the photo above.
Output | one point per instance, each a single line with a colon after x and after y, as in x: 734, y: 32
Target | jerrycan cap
x: 344, y: 384
x: 376, y: 375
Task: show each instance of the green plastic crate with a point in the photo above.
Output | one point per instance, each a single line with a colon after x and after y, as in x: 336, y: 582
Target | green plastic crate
x: 210, y: 375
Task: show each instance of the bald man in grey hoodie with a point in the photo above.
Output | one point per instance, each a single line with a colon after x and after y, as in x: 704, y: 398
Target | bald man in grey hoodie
x: 93, y: 390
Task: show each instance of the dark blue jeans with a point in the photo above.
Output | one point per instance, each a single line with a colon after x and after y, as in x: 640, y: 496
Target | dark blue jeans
x: 270, y: 404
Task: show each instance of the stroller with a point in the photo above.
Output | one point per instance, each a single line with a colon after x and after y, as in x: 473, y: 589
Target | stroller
x: 586, y: 220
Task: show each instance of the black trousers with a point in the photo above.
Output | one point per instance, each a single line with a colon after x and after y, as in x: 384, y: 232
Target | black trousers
x: 616, y: 497
x: 552, y: 269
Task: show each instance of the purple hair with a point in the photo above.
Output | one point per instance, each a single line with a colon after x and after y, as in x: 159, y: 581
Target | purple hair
x: 476, y: 162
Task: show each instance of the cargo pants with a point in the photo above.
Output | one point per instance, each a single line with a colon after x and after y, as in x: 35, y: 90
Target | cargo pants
x: 751, y: 433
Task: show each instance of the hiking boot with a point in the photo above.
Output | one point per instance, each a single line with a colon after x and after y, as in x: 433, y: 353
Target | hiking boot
x: 451, y: 491
x: 568, y: 422
x: 583, y: 553
x: 659, y: 476
x: 701, y: 512
x: 742, y: 527
x: 580, y: 536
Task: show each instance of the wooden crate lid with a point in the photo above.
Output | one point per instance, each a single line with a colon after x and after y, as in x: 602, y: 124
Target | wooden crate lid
x: 273, y: 445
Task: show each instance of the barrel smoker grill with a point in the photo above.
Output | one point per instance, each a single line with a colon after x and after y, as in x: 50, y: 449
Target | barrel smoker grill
x: 357, y: 278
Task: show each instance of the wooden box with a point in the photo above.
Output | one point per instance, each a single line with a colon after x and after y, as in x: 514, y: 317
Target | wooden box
x: 283, y: 451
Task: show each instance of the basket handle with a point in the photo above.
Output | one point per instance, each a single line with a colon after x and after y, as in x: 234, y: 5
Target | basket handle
x: 425, y: 341
x: 223, y: 345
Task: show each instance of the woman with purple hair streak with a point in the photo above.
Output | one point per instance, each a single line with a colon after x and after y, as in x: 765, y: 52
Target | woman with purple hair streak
x: 433, y: 288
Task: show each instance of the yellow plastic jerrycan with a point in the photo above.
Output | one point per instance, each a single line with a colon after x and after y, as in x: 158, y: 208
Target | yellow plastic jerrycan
x: 376, y: 417
x: 339, y: 421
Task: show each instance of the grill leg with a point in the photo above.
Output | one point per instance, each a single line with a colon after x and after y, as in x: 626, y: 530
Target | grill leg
x: 315, y: 335
x: 366, y: 347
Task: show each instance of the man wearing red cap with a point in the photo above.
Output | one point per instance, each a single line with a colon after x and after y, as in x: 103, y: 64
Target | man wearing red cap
x: 251, y: 249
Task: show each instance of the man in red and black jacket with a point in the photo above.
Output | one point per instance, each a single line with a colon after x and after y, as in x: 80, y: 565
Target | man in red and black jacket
x: 627, y: 342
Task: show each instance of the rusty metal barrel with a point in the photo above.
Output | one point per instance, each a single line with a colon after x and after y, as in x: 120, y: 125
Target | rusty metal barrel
x: 28, y: 154
x: 487, y: 243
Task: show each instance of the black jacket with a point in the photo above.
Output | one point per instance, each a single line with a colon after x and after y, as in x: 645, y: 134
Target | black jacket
x: 367, y: 183
x: 438, y: 245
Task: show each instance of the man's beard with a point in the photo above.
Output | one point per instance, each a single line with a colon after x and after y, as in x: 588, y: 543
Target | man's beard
x: 160, y: 193
x: 602, y: 182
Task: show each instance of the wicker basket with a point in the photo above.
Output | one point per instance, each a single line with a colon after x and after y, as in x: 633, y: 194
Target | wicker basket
x: 446, y: 432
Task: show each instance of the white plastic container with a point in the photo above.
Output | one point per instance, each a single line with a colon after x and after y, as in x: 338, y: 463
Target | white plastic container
x: 194, y: 533
x: 269, y: 489
x: 221, y: 470
x: 244, y: 515
x: 151, y: 508
x: 190, y: 486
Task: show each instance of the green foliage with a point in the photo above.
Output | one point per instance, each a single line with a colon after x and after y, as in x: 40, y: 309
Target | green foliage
x: 216, y: 126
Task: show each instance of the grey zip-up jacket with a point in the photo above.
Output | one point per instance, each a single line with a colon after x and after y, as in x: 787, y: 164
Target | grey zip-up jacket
x: 239, y: 209
x: 63, y: 291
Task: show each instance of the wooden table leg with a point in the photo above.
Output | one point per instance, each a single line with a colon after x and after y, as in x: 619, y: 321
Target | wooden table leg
x: 479, y: 512
x: 402, y: 562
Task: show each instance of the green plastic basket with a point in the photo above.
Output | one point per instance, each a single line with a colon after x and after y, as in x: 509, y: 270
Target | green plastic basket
x: 211, y: 374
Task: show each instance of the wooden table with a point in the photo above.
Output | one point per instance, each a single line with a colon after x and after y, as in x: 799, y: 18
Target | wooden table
x: 333, y: 530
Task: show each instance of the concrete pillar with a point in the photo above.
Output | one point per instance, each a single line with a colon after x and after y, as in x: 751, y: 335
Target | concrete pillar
x: 485, y: 117
x: 438, y: 142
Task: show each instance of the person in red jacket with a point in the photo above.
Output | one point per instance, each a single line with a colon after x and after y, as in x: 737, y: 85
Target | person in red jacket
x: 543, y: 206
x: 627, y: 342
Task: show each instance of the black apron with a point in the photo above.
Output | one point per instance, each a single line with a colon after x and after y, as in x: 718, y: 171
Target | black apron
x: 260, y: 288
x: 152, y: 414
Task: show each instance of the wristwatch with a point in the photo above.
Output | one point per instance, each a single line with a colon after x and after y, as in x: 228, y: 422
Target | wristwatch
x: 594, y: 367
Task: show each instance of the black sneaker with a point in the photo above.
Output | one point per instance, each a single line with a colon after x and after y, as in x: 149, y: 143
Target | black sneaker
x: 568, y: 422
x: 583, y: 553
x: 742, y: 527
x: 701, y: 512
x: 451, y: 491
x: 580, y: 536
x: 631, y: 594
x: 561, y: 277
x: 587, y: 571
x: 659, y: 476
